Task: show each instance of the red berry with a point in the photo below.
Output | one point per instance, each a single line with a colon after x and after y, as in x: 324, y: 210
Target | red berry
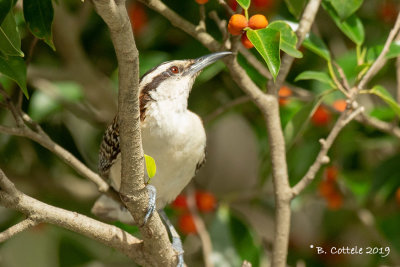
x: 233, y: 4
x: 398, y: 196
x: 262, y: 3
x: 335, y: 201
x: 186, y: 224
x: 246, y: 42
x: 138, y: 17
x: 180, y: 203
x: 205, y: 201
x: 321, y: 116
x: 331, y: 173
x: 326, y: 189
x: 201, y: 2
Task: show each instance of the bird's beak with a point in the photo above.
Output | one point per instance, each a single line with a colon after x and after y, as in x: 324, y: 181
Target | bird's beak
x: 202, y: 62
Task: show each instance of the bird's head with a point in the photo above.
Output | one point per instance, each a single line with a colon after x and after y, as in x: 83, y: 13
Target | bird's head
x: 174, y: 79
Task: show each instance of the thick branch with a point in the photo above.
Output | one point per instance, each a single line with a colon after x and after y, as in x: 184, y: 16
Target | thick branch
x: 322, y: 157
x: 380, y: 61
x: 106, y: 234
x: 133, y: 191
x: 17, y: 228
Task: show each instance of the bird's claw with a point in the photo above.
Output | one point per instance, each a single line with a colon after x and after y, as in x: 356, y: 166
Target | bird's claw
x: 151, y: 190
x: 177, y: 245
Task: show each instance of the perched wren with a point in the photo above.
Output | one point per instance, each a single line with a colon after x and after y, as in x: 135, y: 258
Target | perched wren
x: 173, y: 135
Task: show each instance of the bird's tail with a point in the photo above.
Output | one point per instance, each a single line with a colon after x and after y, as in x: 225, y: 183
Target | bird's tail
x: 110, y: 210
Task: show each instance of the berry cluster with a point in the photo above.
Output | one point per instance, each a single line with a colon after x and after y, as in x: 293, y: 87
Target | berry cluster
x: 238, y: 24
x: 328, y: 188
x: 205, y: 202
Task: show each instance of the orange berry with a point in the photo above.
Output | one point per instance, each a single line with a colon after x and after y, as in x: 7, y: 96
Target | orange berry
x: 321, y: 116
x: 201, y: 2
x: 398, y: 196
x: 340, y: 105
x: 246, y: 42
x: 335, y: 201
x: 180, y: 203
x: 258, y: 21
x: 236, y: 24
x: 284, y: 93
x: 331, y: 173
x: 327, y: 189
x: 205, y: 201
x: 186, y: 224
x: 138, y: 17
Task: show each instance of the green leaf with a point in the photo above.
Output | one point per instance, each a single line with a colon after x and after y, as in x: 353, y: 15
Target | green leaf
x: 267, y: 41
x: 150, y: 166
x: 39, y: 18
x: 244, y: 242
x: 315, y: 75
x: 345, y: 8
x: 387, y: 97
x: 352, y: 26
x: 15, y: 69
x: 295, y: 7
x: 5, y: 7
x: 245, y: 4
x: 10, y: 41
x: 316, y: 45
x: 288, y: 39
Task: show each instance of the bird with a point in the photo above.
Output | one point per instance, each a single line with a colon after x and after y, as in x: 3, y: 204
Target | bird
x: 172, y: 134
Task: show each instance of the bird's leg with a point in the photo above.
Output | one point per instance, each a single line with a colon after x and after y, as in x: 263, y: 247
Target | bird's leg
x: 151, y: 190
x: 176, y: 240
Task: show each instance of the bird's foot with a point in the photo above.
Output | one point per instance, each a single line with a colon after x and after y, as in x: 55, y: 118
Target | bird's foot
x: 176, y: 240
x: 151, y: 207
x: 177, y: 245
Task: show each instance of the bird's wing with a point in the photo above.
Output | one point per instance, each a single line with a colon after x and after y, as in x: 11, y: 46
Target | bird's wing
x: 109, y: 148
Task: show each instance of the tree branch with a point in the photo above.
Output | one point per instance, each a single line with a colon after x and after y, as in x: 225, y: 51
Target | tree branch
x: 132, y: 190
x: 200, y: 227
x: 17, y: 228
x: 380, y: 61
x: 109, y: 235
x: 322, y: 157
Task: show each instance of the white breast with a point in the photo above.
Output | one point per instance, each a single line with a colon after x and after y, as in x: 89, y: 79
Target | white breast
x: 176, y: 140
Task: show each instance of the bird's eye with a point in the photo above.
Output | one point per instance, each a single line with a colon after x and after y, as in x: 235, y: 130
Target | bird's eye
x: 174, y: 69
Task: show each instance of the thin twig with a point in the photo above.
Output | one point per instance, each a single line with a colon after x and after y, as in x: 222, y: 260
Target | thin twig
x: 383, y: 126
x: 326, y: 144
x: 202, y: 22
x: 240, y: 100
x: 17, y: 228
x: 342, y: 76
x: 226, y: 7
x: 222, y: 26
x: 200, y: 227
x: 380, y: 61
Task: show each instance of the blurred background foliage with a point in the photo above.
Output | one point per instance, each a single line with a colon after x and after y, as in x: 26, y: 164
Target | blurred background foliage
x: 355, y: 201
